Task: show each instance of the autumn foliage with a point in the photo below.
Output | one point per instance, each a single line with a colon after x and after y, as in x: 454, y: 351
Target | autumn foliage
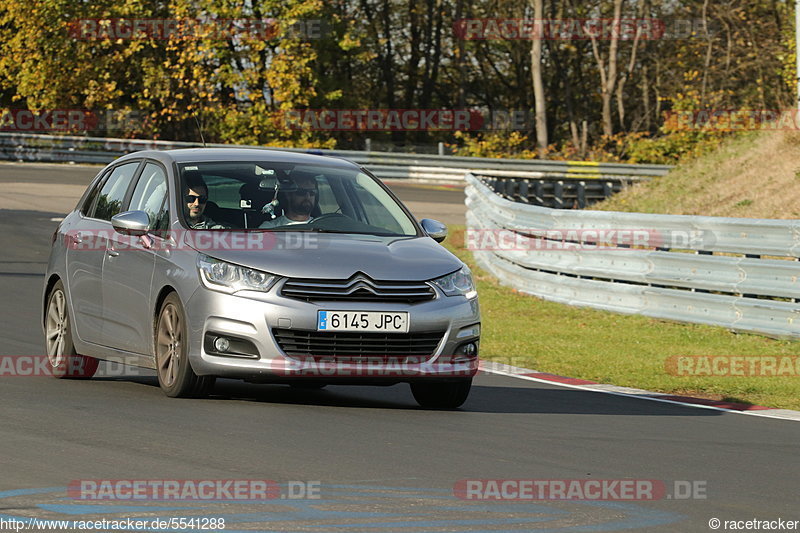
x: 604, y: 98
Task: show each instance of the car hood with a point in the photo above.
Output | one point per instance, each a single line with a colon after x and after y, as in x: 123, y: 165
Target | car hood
x: 329, y: 256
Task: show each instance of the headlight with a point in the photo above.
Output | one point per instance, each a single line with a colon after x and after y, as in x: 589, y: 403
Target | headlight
x: 457, y: 284
x: 227, y: 277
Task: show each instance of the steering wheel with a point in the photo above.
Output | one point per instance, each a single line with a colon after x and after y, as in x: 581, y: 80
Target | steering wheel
x: 327, y: 216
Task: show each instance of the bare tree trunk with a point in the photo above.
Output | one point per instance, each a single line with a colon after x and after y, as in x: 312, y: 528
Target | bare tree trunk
x: 415, y: 25
x: 461, y: 98
x: 608, y: 80
x: 645, y: 98
x: 657, y: 90
x: 707, y: 61
x: 584, y: 139
x: 626, y: 74
x: 433, y: 52
x: 538, y: 85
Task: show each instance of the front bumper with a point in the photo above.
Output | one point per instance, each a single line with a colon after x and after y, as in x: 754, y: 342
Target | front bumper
x: 249, y: 318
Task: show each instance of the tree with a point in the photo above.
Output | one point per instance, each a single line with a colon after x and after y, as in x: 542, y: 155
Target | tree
x: 536, y: 74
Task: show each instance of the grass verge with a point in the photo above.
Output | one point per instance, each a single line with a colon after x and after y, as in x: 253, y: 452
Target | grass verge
x: 631, y: 351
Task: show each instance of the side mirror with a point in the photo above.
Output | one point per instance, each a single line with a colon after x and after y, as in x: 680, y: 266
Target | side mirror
x: 135, y: 223
x: 435, y: 229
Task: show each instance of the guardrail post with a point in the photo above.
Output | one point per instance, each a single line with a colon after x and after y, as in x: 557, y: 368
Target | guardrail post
x: 523, y: 191
x: 538, y: 192
x: 581, y: 194
x: 558, y: 194
x: 499, y: 187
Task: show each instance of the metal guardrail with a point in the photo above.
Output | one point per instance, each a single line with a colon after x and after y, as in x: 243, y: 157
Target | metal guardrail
x: 100, y: 150
x: 565, y: 192
x: 743, y: 274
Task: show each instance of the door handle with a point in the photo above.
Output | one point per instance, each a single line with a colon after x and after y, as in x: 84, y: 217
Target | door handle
x: 112, y: 253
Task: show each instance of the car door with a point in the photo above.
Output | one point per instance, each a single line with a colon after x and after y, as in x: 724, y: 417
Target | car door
x: 128, y: 267
x: 87, y: 249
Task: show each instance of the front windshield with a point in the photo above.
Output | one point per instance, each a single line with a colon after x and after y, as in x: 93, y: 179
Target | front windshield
x: 288, y: 197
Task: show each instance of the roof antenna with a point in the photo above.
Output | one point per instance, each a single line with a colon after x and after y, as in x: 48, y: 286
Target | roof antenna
x: 200, y: 129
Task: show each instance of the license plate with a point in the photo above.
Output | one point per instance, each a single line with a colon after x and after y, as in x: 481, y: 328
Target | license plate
x: 362, y: 321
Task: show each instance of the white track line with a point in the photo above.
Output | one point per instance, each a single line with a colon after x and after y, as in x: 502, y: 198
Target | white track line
x: 515, y: 372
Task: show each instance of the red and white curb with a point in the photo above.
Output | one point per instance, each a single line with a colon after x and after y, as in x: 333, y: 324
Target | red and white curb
x: 582, y: 384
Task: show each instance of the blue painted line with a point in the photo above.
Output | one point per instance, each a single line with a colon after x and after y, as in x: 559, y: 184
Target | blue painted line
x: 27, y: 492
x: 83, y: 509
x: 438, y: 523
x: 637, y: 516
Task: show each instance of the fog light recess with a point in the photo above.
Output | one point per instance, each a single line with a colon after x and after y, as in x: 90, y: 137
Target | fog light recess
x: 222, y: 345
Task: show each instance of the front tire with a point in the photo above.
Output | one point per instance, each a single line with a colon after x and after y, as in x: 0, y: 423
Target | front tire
x: 62, y: 359
x: 441, y: 394
x: 175, y: 374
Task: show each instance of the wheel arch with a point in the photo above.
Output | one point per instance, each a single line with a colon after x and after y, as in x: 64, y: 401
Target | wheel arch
x: 51, y: 282
x: 165, y: 291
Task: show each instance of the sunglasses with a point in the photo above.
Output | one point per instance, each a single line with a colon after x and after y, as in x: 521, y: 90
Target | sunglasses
x: 191, y: 198
x: 304, y: 192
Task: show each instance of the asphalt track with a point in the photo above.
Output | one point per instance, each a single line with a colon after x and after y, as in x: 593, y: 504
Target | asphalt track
x: 376, y: 460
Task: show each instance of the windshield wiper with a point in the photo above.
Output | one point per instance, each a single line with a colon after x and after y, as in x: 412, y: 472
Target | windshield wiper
x: 354, y: 232
x: 326, y: 230
x: 285, y: 228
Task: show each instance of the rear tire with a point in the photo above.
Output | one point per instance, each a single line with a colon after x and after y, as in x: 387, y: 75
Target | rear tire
x: 175, y: 374
x: 441, y: 394
x: 62, y: 359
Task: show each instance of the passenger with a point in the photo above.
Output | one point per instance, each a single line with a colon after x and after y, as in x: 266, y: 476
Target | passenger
x: 196, y: 199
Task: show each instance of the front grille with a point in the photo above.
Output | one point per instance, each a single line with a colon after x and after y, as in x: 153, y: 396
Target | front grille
x: 357, y: 347
x: 358, y: 288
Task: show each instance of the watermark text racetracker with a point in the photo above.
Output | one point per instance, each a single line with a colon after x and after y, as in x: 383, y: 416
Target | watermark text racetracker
x: 733, y: 365
x: 205, y: 240
x: 753, y: 524
x: 520, y: 239
x: 261, y: 29
x: 192, y: 489
x: 580, y: 489
x: 728, y: 120
x: 32, y: 366
x: 571, y: 29
x: 404, y: 119
x: 70, y: 120
x: 296, y: 367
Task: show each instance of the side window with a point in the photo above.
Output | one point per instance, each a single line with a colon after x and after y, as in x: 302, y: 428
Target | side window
x: 162, y: 219
x: 87, y: 205
x: 223, y: 191
x: 150, y: 192
x: 113, y: 192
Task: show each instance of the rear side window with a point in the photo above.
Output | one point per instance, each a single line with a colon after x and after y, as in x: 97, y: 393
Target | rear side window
x: 109, y: 203
x: 150, y: 192
x: 86, y: 208
x: 223, y: 191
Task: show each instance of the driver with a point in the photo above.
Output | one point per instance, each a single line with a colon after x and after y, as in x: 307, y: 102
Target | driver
x: 297, y: 203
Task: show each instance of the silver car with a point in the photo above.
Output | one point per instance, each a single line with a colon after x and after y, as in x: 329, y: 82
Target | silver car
x: 266, y: 266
